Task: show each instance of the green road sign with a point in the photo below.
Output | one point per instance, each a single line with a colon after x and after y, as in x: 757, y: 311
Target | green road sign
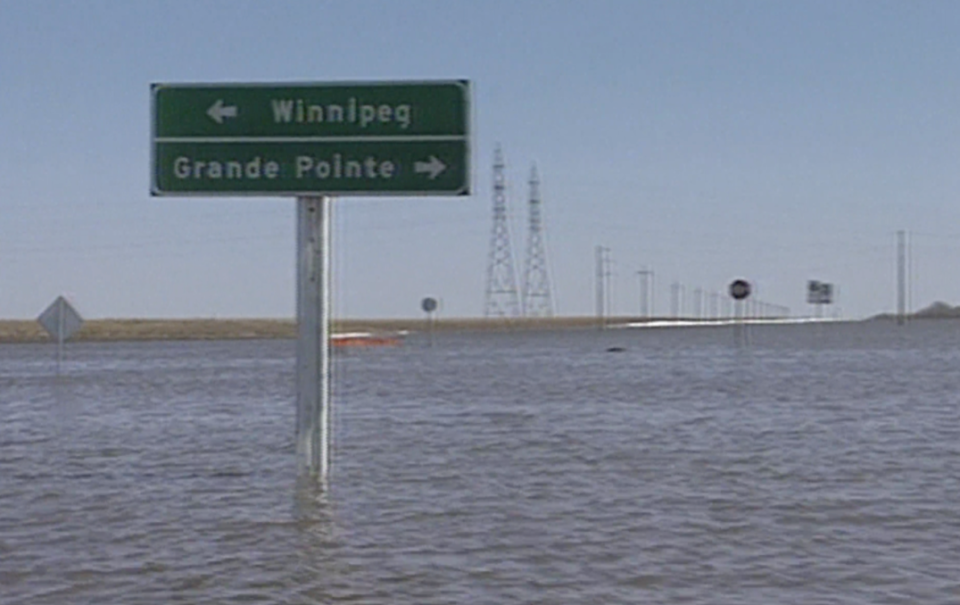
x: 393, y: 138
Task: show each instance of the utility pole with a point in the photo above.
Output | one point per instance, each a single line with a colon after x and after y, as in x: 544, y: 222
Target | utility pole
x: 725, y: 308
x: 675, y: 300
x: 901, y: 277
x: 602, y: 275
x: 646, y: 292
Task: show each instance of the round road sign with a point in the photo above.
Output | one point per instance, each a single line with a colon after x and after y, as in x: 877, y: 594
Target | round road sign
x: 740, y: 289
x: 429, y: 305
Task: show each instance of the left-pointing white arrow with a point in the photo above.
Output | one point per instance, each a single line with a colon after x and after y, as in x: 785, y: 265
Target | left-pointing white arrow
x: 218, y: 111
x: 433, y: 168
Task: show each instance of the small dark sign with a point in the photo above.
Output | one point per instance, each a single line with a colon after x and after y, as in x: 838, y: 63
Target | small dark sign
x: 819, y: 293
x: 740, y: 289
x: 429, y: 305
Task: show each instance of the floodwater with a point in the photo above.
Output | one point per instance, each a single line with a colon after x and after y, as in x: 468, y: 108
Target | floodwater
x: 816, y: 464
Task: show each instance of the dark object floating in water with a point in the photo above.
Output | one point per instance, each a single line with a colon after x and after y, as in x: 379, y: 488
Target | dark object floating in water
x: 615, y: 349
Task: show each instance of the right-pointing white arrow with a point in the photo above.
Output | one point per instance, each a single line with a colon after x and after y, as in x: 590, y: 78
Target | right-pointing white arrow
x: 218, y: 111
x: 433, y: 167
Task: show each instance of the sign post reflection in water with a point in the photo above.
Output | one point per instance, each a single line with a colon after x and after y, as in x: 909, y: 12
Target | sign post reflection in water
x: 311, y: 141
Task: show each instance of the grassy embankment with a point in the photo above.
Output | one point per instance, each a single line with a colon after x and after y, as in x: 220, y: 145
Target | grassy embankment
x: 22, y: 331
x: 25, y: 331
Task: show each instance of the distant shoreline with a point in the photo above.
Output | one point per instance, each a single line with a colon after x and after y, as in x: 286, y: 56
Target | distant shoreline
x: 29, y: 331
x: 101, y: 330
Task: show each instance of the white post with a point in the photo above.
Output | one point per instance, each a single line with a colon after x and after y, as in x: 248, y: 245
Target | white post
x: 61, y: 312
x: 739, y: 327
x: 313, y: 337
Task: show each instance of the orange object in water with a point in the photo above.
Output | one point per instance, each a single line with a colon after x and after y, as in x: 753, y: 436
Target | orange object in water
x: 364, y: 339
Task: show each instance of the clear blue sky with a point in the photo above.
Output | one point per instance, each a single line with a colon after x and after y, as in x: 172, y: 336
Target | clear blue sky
x: 777, y: 141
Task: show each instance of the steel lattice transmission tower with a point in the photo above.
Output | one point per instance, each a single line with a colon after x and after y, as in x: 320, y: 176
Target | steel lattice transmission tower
x: 501, y: 298
x: 537, y: 301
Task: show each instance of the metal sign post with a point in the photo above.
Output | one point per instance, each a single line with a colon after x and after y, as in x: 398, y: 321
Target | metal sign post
x: 429, y: 305
x: 313, y: 335
x: 739, y: 291
x: 60, y: 337
x: 819, y: 294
